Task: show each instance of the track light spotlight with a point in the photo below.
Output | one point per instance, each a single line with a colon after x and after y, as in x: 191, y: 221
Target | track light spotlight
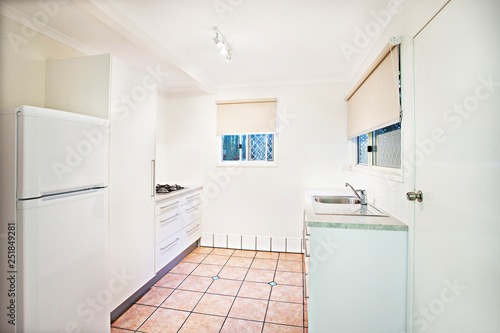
x: 222, y: 45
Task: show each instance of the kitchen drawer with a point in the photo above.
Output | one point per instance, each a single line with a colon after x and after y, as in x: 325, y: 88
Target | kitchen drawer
x: 193, y: 231
x: 191, y: 197
x: 168, y: 224
x: 168, y: 205
x: 192, y: 211
x: 170, y: 248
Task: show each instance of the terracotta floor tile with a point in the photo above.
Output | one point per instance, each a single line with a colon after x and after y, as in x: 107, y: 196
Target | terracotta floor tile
x: 241, y: 326
x: 207, y: 270
x: 275, y: 328
x: 244, y: 253
x: 285, y: 313
x: 291, y: 294
x: 266, y: 255
x: 184, y: 268
x: 291, y: 256
x: 214, y: 305
x: 196, y: 283
x: 194, y: 258
x: 164, y: 321
x: 224, y: 287
x: 255, y: 290
x: 134, y: 317
x: 223, y: 252
x: 197, y: 323
x: 203, y: 250
x: 214, y: 259
x: 234, y: 273
x: 155, y: 296
x: 250, y: 309
x: 289, y: 278
x: 239, y: 262
x: 182, y: 300
x: 118, y: 330
x: 264, y: 264
x: 259, y: 275
x: 290, y: 266
x: 171, y: 280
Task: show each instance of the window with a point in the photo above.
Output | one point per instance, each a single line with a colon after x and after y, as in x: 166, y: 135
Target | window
x: 380, y: 148
x: 362, y: 149
x: 248, y: 148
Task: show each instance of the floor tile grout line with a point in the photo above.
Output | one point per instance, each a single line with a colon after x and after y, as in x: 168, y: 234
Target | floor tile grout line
x: 204, y: 293
x: 270, y: 295
x: 174, y: 289
x: 234, y: 300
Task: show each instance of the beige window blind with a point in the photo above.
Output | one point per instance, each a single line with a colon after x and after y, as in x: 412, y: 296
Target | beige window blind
x: 374, y: 103
x: 246, y: 116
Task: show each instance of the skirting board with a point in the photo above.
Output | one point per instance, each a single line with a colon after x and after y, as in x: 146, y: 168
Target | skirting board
x: 246, y: 242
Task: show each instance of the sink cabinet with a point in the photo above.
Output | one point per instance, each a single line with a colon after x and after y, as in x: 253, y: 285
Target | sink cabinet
x: 357, y: 280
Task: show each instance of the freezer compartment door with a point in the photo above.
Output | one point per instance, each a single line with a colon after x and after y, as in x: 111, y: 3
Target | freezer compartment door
x: 60, y: 151
x: 62, y: 246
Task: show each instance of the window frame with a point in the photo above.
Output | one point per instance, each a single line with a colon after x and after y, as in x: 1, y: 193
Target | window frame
x: 248, y: 162
x: 395, y: 174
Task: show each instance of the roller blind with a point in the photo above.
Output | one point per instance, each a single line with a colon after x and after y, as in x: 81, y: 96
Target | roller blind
x: 246, y: 116
x: 375, y: 103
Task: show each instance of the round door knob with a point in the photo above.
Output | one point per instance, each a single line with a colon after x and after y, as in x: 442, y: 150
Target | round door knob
x: 412, y: 196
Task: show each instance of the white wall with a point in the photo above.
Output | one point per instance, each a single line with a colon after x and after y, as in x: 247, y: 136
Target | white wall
x: 312, y: 152
x: 22, y: 64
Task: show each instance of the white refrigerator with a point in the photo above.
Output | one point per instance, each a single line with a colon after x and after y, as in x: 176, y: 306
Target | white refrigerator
x: 53, y: 210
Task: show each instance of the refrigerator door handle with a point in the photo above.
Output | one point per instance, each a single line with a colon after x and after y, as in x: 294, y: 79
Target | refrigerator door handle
x: 153, y: 170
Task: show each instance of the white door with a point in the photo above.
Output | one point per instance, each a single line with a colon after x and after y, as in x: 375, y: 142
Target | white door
x: 457, y: 126
x: 62, y: 264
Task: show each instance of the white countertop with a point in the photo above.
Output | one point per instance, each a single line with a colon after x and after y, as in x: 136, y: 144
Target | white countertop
x: 347, y: 221
x: 165, y: 196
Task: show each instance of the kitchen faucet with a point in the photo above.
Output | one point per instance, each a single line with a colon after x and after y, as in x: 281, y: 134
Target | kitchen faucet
x: 361, y: 197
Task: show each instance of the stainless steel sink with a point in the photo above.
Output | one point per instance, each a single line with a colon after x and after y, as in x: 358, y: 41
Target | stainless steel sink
x: 329, y: 199
x: 342, y: 205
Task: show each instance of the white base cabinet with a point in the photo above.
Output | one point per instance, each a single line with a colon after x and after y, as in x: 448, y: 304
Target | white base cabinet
x: 177, y: 225
x: 357, y: 281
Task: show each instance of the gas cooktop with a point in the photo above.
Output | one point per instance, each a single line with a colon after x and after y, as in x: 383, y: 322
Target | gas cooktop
x: 167, y: 188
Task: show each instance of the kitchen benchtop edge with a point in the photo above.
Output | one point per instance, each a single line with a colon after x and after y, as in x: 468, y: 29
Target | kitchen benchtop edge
x: 165, y: 196
x: 388, y: 223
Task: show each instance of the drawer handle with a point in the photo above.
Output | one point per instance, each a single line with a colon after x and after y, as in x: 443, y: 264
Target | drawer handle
x: 306, y: 295
x: 191, y: 197
x: 172, y: 217
x: 308, y: 255
x: 187, y: 232
x: 169, y: 245
x: 175, y: 203
x: 190, y: 209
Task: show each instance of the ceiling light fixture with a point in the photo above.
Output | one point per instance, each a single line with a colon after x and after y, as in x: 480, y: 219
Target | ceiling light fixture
x: 222, y: 45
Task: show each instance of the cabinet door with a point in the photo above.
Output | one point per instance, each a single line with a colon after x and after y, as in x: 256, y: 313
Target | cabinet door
x: 131, y: 188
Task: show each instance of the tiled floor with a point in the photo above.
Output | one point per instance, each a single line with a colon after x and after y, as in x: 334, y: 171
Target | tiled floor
x: 222, y: 290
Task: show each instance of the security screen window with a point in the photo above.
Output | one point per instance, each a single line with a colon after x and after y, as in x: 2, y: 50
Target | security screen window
x: 380, y: 148
x: 260, y: 147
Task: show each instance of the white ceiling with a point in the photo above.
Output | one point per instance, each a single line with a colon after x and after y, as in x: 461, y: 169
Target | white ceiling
x: 273, y: 42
